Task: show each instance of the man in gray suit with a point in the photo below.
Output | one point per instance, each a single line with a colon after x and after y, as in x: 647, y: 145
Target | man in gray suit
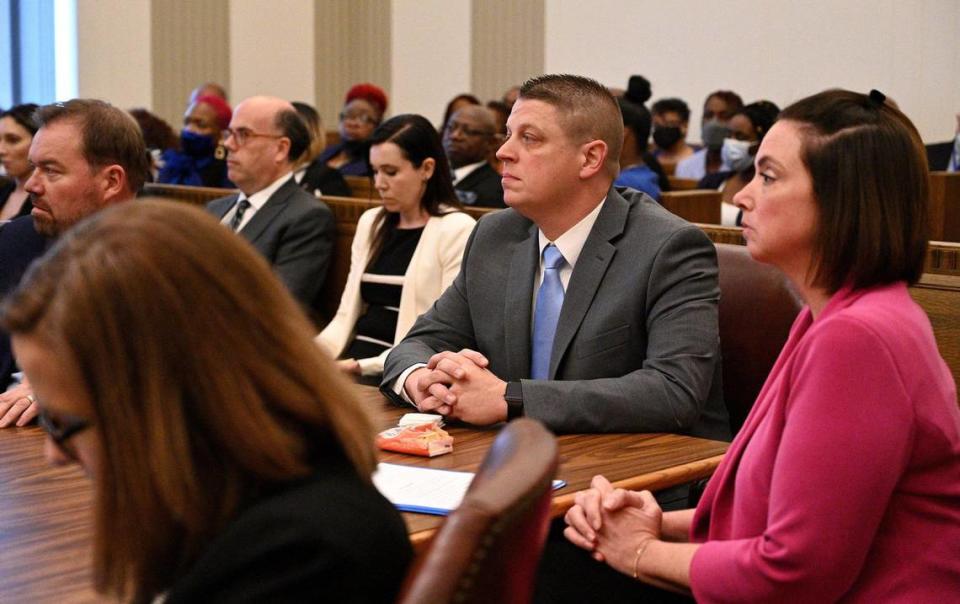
x: 615, y: 333
x: 291, y: 228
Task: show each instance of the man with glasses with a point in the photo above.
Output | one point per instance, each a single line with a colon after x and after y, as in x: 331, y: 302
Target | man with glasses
x: 86, y: 156
x: 468, y: 137
x: 291, y: 228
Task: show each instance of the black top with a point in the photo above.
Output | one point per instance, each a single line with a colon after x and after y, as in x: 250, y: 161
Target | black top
x: 382, y: 300
x: 329, y: 538
x: 7, y: 187
x: 321, y: 177
x: 20, y: 244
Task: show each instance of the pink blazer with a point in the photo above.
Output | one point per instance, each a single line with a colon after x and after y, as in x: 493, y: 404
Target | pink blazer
x: 844, y: 483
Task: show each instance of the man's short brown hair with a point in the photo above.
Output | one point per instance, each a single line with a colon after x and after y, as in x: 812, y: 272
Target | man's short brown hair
x: 108, y: 136
x: 869, y: 172
x: 588, y: 110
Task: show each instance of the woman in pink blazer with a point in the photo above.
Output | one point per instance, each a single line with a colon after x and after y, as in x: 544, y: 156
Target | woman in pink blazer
x: 844, y: 482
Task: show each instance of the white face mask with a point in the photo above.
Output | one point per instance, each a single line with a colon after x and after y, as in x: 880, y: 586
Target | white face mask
x: 736, y: 154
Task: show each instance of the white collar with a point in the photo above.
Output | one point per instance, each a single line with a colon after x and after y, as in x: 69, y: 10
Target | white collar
x: 571, y: 242
x: 464, y: 171
x: 260, y: 198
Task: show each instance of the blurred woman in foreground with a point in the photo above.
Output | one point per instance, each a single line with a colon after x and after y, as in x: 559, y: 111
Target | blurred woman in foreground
x: 230, y: 460
x: 842, y: 484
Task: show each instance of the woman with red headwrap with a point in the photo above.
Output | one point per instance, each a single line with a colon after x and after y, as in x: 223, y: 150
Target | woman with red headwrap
x: 200, y: 161
x: 362, y: 112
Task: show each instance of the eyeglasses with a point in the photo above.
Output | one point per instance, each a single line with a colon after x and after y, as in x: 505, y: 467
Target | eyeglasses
x: 360, y: 117
x: 466, y: 130
x: 62, y: 429
x: 242, y: 135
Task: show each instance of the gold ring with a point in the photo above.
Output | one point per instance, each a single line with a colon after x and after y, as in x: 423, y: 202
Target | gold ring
x: 31, y: 398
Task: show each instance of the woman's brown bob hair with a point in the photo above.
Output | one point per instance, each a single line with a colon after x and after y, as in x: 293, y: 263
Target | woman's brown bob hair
x: 869, y: 172
x: 206, y: 386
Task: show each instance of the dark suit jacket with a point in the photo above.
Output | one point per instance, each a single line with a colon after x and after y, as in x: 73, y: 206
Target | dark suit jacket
x: 320, y: 177
x: 20, y: 245
x: 485, y: 182
x: 331, y: 538
x: 938, y: 155
x: 295, y: 232
x: 637, y: 347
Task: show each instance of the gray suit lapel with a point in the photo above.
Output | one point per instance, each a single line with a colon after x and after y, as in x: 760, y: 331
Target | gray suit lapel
x: 517, y: 309
x: 265, y: 215
x: 220, y: 207
x: 591, y: 266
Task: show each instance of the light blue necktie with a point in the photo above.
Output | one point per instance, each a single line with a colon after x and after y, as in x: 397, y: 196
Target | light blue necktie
x: 547, y: 312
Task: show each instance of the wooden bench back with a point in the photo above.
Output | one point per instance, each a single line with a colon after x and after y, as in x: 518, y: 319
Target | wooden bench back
x: 361, y: 187
x: 698, y: 205
x: 945, y: 206
x: 195, y: 195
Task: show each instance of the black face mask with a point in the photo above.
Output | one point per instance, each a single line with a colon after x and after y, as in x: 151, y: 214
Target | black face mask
x: 666, y: 136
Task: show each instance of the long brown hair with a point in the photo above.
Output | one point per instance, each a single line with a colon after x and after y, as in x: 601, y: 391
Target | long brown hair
x: 207, y: 389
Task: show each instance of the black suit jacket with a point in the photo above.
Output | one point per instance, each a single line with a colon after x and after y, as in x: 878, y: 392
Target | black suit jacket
x: 331, y: 538
x: 20, y: 245
x: 485, y: 183
x: 294, y: 231
x: 321, y: 177
x: 938, y: 155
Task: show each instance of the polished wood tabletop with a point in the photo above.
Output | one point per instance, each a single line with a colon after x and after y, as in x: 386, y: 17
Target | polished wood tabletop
x: 45, y: 512
x: 630, y: 461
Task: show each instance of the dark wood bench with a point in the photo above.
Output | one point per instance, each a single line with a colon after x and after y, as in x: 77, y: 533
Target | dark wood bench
x: 698, y: 205
x: 945, y: 206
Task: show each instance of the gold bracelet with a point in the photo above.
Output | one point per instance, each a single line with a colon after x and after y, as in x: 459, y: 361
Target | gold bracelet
x: 636, y: 561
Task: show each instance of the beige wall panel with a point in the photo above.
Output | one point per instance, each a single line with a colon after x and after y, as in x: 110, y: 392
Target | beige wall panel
x: 191, y: 45
x: 508, y: 44
x: 351, y: 45
x: 113, y: 62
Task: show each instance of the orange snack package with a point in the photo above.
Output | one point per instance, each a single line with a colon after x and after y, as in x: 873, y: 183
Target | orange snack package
x: 425, y: 440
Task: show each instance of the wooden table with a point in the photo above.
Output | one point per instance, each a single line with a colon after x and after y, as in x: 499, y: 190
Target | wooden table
x: 45, y: 512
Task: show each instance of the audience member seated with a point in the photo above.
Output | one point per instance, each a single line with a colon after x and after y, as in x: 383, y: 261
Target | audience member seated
x: 747, y: 128
x: 671, y: 120
x: 468, y: 138
x: 158, y: 136
x: 362, y: 112
x: 229, y: 460
x: 638, y: 90
x: 634, y: 172
x: 500, y: 113
x: 208, y: 89
x: 842, y: 484
x: 313, y: 175
x: 199, y: 162
x: 946, y: 155
x: 456, y: 104
x: 621, y: 335
x: 510, y: 96
x: 717, y: 110
x: 88, y: 155
x: 405, y: 253
x: 291, y: 228
x: 16, y: 133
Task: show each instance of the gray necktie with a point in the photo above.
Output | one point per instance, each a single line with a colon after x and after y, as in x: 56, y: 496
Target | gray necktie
x: 238, y: 216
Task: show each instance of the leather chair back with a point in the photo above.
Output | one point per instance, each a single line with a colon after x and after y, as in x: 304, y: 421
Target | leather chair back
x: 488, y: 549
x: 757, y: 308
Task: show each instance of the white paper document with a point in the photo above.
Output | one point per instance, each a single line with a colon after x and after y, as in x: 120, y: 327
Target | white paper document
x: 425, y: 490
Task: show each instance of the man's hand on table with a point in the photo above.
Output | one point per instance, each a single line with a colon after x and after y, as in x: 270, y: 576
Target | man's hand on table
x: 18, y: 407
x: 459, y: 385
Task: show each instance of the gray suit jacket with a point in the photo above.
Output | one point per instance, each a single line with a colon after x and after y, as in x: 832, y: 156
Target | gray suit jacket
x: 295, y: 233
x: 637, y: 347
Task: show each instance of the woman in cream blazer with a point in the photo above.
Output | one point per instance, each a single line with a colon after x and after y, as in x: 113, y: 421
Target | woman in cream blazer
x: 433, y: 267
x: 412, y: 175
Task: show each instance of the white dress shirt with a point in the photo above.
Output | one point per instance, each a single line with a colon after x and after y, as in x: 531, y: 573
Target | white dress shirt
x: 257, y: 201
x: 464, y: 171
